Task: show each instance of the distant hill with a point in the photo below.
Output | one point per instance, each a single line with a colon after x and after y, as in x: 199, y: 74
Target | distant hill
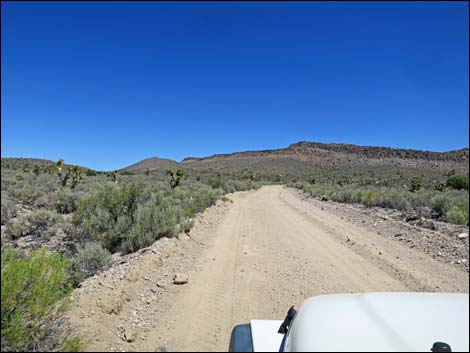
x: 304, y: 159
x: 29, y: 163
x: 307, y: 159
x: 335, y: 156
x: 315, y: 152
x: 151, y: 164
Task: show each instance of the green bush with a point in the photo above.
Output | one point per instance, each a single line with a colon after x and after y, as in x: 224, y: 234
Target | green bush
x: 90, y: 172
x: 216, y: 182
x: 370, y: 198
x: 90, y: 258
x: 9, y: 210
x: 129, y: 217
x: 66, y: 202
x: 439, y: 186
x: 37, y: 223
x: 47, y: 200
x: 156, y: 219
x: 73, y: 344
x: 108, y: 215
x: 458, y: 182
x: 31, y: 290
x: 389, y: 197
x: 458, y: 214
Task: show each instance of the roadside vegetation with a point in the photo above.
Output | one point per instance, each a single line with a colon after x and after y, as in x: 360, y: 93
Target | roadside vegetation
x: 446, y: 200
x: 34, y: 293
x: 62, y: 223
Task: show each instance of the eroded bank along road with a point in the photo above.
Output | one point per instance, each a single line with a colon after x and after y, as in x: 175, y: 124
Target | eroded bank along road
x: 248, y: 259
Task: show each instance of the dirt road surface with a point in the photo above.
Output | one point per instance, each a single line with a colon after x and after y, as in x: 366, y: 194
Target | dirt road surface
x: 251, y: 258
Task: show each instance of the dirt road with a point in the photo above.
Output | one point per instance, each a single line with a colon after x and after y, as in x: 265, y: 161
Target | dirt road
x: 248, y: 259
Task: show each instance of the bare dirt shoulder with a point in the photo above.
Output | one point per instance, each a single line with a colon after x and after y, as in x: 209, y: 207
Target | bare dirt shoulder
x: 252, y: 259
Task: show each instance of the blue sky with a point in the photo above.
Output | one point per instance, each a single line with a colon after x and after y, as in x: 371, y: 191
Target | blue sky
x: 107, y: 84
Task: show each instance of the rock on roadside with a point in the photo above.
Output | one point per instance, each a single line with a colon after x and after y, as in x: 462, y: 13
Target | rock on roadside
x: 180, y: 278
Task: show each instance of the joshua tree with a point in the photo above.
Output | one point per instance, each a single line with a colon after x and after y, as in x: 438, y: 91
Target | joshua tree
x: 70, y: 172
x: 440, y: 186
x: 114, y: 176
x: 415, y: 184
x: 175, y: 178
x: 49, y: 169
x: 342, y: 181
x: 36, y: 170
x: 76, y: 175
x: 63, y: 177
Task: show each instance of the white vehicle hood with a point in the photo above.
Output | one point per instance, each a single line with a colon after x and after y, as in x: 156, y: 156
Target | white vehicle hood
x: 380, y: 322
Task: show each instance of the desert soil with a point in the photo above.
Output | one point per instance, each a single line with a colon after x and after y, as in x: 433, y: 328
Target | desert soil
x: 252, y: 258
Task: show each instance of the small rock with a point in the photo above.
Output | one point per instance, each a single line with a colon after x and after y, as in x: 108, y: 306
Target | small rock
x: 161, y: 348
x: 180, y: 278
x: 130, y: 337
x: 462, y: 236
x: 324, y: 198
x: 398, y: 235
x: 411, y: 217
x: 426, y: 224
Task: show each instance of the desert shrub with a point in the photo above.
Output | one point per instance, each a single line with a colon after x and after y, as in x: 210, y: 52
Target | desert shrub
x: 388, y: 197
x: 439, y: 186
x: 457, y: 215
x: 441, y: 203
x: 393, y: 199
x: 37, y: 223
x: 73, y: 344
x: 458, y: 182
x: 90, y: 172
x: 90, y: 258
x: 66, y: 202
x: 204, y: 198
x: 29, y: 187
x: 9, y: 210
x: 127, y: 172
x: 47, y: 200
x: 370, y: 198
x: 31, y: 290
x: 109, y: 214
x: 156, y: 219
x: 216, y: 182
x: 185, y: 224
